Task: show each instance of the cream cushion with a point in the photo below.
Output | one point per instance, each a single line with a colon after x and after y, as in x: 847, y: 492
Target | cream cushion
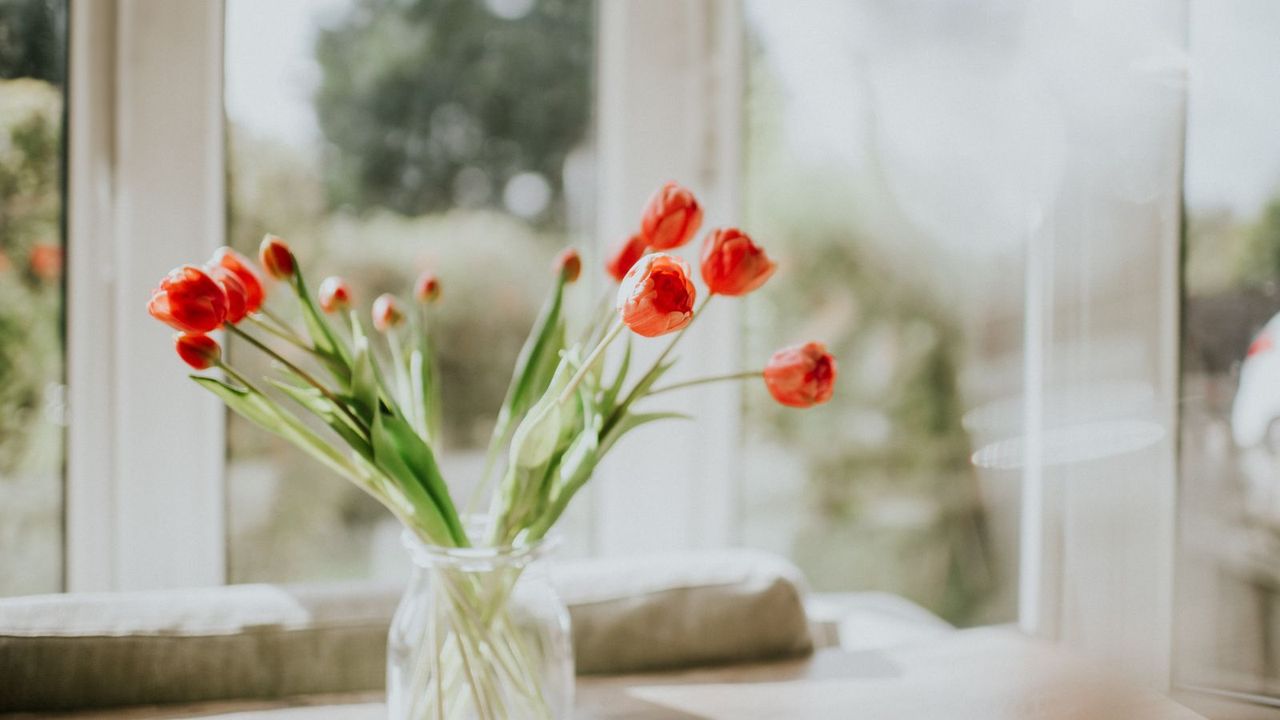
x: 262, y: 641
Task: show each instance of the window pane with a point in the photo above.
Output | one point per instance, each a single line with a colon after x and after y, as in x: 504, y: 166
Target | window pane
x: 860, y: 174
x: 382, y: 139
x: 1229, y: 554
x: 32, y: 98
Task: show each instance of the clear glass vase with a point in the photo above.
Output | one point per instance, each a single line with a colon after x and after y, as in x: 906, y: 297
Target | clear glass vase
x: 479, y: 633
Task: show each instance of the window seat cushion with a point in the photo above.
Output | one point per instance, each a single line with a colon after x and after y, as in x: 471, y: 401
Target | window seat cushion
x: 263, y: 641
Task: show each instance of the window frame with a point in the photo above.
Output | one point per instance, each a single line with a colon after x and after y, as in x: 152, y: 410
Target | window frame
x: 146, y: 489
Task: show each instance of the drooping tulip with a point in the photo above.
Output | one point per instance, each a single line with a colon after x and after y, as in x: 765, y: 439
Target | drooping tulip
x: 625, y: 256
x: 237, y: 298
x: 671, y: 218
x: 732, y: 264
x: 189, y: 300
x: 656, y: 296
x: 276, y: 258
x: 199, y: 351
x: 568, y: 265
x: 801, y: 376
x: 254, y: 295
x: 335, y: 294
x: 427, y: 289
x: 386, y: 312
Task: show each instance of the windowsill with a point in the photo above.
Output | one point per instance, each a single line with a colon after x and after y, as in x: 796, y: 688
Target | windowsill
x: 983, y: 673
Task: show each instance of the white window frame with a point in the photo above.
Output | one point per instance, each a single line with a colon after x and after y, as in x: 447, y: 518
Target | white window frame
x: 145, y: 504
x: 145, y: 483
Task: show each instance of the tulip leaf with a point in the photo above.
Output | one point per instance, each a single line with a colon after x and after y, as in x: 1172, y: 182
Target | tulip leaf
x: 535, y: 366
x: 337, y: 420
x: 266, y: 414
x: 334, y: 352
x: 631, y: 421
x: 611, y: 394
x: 402, y: 453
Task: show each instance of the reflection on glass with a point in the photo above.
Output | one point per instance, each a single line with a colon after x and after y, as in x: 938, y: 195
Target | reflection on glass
x: 865, y: 122
x: 32, y: 76
x: 381, y: 139
x: 1228, y: 603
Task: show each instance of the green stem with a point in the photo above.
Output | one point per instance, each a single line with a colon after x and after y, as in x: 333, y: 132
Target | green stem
x: 618, y: 412
x: 591, y: 360
x: 747, y: 374
x: 284, y: 334
x: 302, y: 374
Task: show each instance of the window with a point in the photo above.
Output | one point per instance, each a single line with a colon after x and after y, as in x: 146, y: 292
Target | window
x: 915, y: 284
x: 383, y: 139
x: 1228, y: 562
x: 32, y: 107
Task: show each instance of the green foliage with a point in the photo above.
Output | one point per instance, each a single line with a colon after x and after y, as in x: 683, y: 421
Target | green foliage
x: 30, y: 265
x: 32, y: 39
x: 429, y: 104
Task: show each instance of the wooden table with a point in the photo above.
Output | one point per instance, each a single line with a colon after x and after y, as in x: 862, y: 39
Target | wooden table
x: 983, y: 674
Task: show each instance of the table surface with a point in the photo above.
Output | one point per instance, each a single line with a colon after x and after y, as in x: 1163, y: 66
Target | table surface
x: 987, y: 674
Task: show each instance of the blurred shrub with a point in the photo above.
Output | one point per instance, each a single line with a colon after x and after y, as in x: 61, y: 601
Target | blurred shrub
x: 30, y: 266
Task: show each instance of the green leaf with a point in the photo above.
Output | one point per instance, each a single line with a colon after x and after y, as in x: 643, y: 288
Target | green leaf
x: 334, y: 352
x: 631, y: 421
x: 266, y: 414
x: 399, y: 450
x: 536, y: 364
x: 608, y: 402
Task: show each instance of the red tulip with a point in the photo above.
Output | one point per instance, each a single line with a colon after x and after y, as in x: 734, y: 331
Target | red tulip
x: 568, y: 265
x: 386, y: 312
x: 801, y: 376
x: 656, y: 297
x: 335, y: 294
x: 237, y: 298
x: 732, y: 264
x: 189, y: 300
x: 626, y: 256
x: 671, y: 218
x: 276, y: 258
x: 427, y: 289
x: 199, y: 351
x: 244, y: 272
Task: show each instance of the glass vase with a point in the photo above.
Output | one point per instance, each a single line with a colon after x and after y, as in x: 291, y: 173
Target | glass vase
x: 480, y: 633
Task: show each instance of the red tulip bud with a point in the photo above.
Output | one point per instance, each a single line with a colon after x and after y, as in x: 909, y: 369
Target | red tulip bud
x: 427, y: 289
x: 568, y: 265
x: 656, y: 297
x: 244, y: 272
x: 671, y: 218
x: 801, y: 376
x: 732, y: 264
x: 386, y: 312
x: 625, y: 256
x: 189, y: 300
x: 199, y: 351
x: 276, y: 258
x: 335, y: 294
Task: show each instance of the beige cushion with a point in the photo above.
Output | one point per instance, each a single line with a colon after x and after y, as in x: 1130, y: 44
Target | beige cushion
x: 260, y: 641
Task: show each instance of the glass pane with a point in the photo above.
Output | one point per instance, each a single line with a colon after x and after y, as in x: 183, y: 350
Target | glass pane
x: 1229, y: 553
x: 32, y: 98
x: 862, y: 176
x: 383, y: 138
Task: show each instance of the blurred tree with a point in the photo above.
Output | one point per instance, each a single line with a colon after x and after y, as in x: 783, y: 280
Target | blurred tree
x: 431, y: 104
x: 31, y: 39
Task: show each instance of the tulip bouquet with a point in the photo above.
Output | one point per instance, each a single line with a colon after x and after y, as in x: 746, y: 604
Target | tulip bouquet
x: 378, y: 395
